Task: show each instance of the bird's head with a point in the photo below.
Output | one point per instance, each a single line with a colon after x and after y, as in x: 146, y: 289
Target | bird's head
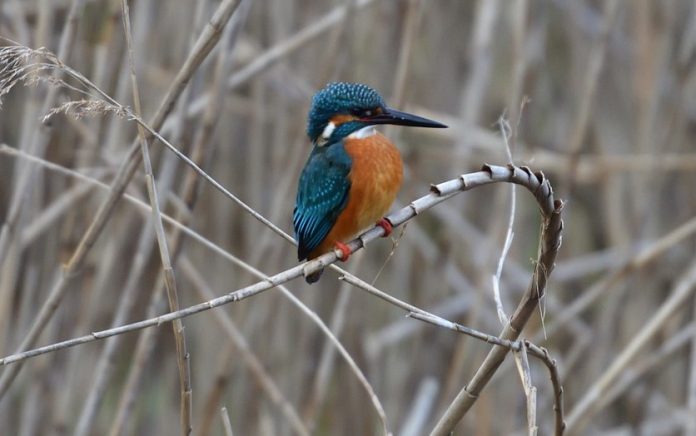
x: 343, y: 108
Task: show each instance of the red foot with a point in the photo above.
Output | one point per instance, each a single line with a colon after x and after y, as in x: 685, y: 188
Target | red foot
x: 345, y: 251
x: 386, y: 225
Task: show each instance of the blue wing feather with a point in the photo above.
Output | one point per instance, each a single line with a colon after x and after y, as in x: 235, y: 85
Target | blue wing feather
x: 321, y: 196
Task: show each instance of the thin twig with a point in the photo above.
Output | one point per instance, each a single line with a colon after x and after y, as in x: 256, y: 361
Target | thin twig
x: 522, y: 363
x: 558, y: 407
x: 506, y: 133
x: 226, y: 421
x: 420, y: 314
x: 395, y: 244
x: 491, y: 174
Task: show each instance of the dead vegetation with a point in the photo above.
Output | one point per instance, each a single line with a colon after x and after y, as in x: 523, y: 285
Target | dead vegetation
x: 215, y: 151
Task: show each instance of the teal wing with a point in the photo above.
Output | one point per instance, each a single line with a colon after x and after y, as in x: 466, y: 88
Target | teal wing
x: 322, y: 195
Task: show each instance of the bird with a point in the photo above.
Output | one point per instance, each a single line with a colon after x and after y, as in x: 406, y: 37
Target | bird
x: 353, y: 173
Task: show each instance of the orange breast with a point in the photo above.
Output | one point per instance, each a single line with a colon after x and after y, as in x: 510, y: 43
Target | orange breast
x: 376, y: 175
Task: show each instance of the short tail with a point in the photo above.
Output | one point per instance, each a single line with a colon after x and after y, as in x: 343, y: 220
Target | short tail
x: 314, y: 277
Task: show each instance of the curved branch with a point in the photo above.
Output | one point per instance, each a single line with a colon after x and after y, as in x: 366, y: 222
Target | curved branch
x: 543, y: 355
x: 552, y: 226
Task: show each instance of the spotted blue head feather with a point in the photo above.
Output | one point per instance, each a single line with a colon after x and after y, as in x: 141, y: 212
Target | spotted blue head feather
x: 341, y: 98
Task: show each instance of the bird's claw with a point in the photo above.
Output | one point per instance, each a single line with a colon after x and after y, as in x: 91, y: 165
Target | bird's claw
x: 386, y: 225
x: 344, y: 250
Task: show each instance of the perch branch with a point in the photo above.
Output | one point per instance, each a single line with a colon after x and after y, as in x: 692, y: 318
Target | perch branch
x: 439, y: 193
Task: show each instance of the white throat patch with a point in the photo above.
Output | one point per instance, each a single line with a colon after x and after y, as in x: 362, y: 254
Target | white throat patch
x: 363, y: 133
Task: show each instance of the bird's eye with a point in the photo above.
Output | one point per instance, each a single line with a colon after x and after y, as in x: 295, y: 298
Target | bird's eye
x: 364, y: 113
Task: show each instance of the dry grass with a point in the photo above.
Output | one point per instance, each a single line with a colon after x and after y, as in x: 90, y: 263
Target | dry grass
x: 611, y: 122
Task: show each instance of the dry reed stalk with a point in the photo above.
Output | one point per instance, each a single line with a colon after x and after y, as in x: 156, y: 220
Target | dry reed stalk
x: 273, y: 55
x: 242, y: 347
x: 24, y: 175
x: 182, y: 355
x: 587, y: 405
x: 204, y: 45
x: 318, y: 391
x: 590, y: 77
x: 200, y: 154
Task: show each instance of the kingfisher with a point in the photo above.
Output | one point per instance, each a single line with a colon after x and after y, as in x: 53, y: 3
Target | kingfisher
x: 353, y: 172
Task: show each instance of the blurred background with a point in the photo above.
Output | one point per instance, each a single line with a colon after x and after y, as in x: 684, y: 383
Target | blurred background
x: 599, y: 95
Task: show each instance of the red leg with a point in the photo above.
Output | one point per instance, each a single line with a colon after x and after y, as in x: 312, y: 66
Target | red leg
x: 386, y: 225
x: 345, y: 251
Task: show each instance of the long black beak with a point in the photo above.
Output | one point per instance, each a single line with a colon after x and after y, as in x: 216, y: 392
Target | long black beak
x: 392, y: 116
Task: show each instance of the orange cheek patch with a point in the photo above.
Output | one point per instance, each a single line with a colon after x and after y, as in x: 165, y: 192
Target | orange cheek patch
x: 337, y: 120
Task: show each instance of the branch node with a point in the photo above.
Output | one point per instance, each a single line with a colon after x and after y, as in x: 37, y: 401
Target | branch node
x: 471, y: 395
